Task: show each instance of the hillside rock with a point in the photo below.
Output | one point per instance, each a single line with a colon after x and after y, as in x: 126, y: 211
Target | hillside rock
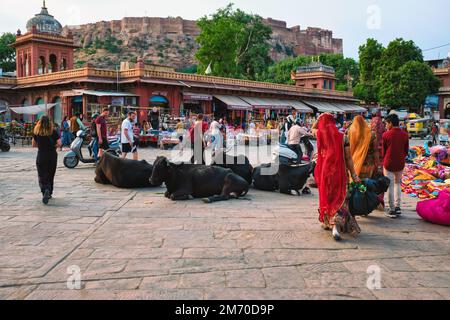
x: 171, y: 41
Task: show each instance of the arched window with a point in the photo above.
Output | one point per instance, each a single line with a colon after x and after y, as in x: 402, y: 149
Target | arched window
x: 53, y: 64
x: 41, y: 65
x: 63, y: 64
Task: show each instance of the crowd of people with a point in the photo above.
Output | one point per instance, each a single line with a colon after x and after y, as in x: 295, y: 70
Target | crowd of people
x: 362, y: 152
x: 345, y: 154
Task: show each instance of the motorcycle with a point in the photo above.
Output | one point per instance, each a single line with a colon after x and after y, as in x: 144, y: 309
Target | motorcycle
x: 284, y: 155
x: 4, y: 141
x: 75, y: 155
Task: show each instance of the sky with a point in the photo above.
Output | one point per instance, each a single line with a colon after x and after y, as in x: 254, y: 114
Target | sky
x: 425, y: 22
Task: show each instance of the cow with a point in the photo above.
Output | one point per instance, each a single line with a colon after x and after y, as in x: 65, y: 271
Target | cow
x: 211, y: 183
x: 124, y: 173
x: 287, y: 179
x: 240, y: 165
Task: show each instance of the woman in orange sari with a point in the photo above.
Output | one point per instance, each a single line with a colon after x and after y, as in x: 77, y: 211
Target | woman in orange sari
x: 364, y: 148
x: 333, y: 162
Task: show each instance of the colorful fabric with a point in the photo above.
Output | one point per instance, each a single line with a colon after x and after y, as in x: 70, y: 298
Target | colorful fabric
x: 436, y: 211
x: 330, y: 172
x: 425, y: 178
x: 360, y: 137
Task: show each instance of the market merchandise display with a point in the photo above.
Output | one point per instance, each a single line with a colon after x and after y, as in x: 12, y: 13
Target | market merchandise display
x: 427, y: 173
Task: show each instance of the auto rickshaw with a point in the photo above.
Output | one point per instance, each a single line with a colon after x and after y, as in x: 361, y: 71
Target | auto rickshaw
x: 418, y: 128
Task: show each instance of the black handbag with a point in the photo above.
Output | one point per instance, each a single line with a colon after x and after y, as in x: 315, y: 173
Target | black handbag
x: 363, y: 202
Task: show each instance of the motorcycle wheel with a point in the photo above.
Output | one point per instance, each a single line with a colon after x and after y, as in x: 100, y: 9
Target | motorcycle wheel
x: 6, y: 148
x: 71, y: 162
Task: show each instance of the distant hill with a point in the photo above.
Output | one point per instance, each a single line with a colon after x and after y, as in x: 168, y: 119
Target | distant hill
x: 171, y: 41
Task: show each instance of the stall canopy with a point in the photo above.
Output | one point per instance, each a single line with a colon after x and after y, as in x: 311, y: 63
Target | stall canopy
x: 324, y: 107
x: 234, y: 103
x: 33, y: 110
x: 351, y: 108
x: 266, y: 103
x: 74, y: 93
x: 335, y: 107
x: 300, y: 106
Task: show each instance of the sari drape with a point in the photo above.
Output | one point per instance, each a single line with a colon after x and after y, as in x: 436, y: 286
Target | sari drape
x: 360, y: 137
x: 330, y: 172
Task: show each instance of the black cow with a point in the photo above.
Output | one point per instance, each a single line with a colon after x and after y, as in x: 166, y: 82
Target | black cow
x: 238, y: 164
x: 123, y: 173
x: 287, y: 178
x: 200, y: 181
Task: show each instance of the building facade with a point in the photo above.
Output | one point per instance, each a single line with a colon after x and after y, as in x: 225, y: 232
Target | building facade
x: 45, y: 75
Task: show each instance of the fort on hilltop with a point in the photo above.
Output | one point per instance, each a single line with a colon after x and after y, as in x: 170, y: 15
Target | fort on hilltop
x: 171, y: 40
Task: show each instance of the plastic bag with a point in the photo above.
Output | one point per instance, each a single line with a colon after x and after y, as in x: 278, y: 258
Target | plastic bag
x: 363, y: 202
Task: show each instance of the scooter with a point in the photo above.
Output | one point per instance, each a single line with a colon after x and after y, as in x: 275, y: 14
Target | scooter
x: 4, y: 141
x: 73, y: 157
x: 284, y: 155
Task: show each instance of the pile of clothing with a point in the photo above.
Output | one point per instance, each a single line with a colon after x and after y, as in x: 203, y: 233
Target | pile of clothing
x: 427, y: 172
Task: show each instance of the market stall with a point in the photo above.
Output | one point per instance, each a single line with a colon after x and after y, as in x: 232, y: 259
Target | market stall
x: 427, y: 173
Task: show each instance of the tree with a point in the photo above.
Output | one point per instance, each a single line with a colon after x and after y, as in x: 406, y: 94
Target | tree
x: 403, y: 79
x: 280, y: 72
x: 395, y: 76
x: 409, y: 86
x: 7, y: 53
x: 369, y: 60
x: 235, y: 43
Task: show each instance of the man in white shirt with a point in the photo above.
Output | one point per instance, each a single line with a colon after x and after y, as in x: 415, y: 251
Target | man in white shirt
x: 127, y: 137
x: 294, y: 137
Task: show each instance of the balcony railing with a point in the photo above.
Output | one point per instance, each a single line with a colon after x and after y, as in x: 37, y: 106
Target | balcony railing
x: 158, y: 74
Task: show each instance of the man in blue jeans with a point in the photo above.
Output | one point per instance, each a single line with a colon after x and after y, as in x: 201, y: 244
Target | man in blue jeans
x: 94, y: 138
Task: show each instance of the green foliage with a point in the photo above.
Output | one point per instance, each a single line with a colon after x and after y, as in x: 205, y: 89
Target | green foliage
x: 191, y: 69
x: 280, y: 72
x: 370, y: 55
x: 110, y: 44
x: 7, y: 54
x: 395, y: 76
x: 409, y: 85
x: 235, y: 43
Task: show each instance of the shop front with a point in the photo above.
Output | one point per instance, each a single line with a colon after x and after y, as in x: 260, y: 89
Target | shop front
x: 196, y: 103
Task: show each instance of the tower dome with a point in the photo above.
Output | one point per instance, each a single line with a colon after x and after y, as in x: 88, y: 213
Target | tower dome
x: 45, y: 22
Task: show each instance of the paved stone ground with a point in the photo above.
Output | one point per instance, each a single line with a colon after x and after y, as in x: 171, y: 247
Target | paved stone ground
x: 135, y: 244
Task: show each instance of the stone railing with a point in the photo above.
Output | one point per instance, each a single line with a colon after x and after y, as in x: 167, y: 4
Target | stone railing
x: 147, y: 73
x: 8, y: 81
x: 241, y: 83
x: 441, y: 71
x: 68, y: 74
x: 44, y: 36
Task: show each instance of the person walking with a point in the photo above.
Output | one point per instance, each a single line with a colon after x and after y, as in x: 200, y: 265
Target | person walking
x: 94, y: 137
x: 66, y: 138
x: 198, y: 144
x: 363, y: 148
x: 102, y: 132
x: 434, y: 133
x: 127, y: 136
x: 334, y: 160
x: 46, y: 140
x: 395, y: 150
x: 76, y: 124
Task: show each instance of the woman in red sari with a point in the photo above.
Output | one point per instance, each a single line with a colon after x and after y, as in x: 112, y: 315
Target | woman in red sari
x: 334, y: 160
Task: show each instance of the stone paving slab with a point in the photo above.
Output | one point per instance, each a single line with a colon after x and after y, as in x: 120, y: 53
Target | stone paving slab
x: 135, y: 244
